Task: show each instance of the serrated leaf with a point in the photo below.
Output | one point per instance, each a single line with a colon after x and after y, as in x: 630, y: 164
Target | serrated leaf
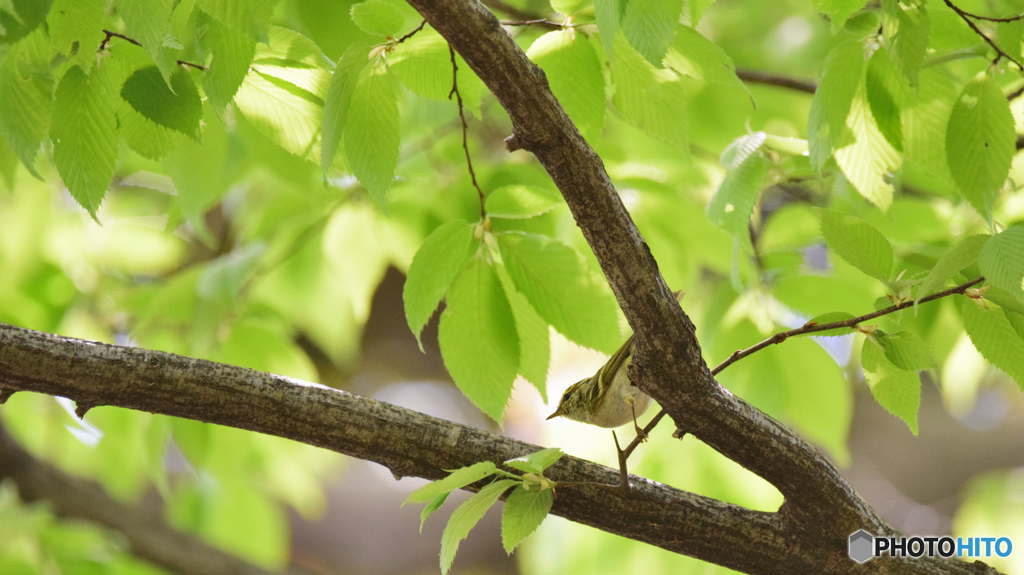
x: 436, y: 264
x: 149, y: 22
x: 377, y: 17
x: 574, y: 74
x: 964, y: 254
x: 1002, y: 260
x: 697, y: 10
x: 25, y: 113
x: 372, y: 135
x: 1016, y: 320
x: 247, y: 16
x: 231, y: 53
x: 895, y: 389
x: 838, y: 11
x: 144, y: 136
x: 608, y: 14
x: 858, y: 242
x: 906, y: 32
x: 742, y: 148
x: 431, y: 507
x: 652, y: 100
x: 524, y: 512
x: 177, y: 107
x: 907, y: 351
x: 830, y: 317
x: 339, y: 99
x: 994, y: 337
x: 696, y: 56
x: 865, y: 156
x: 733, y: 202
x: 650, y: 26
x: 534, y: 337
x: 76, y: 29
x: 537, y: 461
x: 19, y: 19
x: 466, y: 517
x: 478, y: 338
x: 520, y: 201
x: 282, y: 111
x: 1004, y: 299
x: 980, y: 142
x: 457, y: 479
x: 558, y: 284
x: 1008, y: 37
x: 84, y: 134
x: 422, y: 63
x: 925, y: 119
x: 887, y: 92
x: 840, y: 77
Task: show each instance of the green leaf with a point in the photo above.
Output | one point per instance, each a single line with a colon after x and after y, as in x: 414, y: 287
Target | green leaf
x: 733, y: 202
x: 84, y: 134
x: 76, y: 29
x: 524, y: 511
x: 478, y: 338
x: 895, y: 389
x: 980, y: 142
x: 534, y: 337
x: 858, y: 242
x: 907, y: 351
x: 574, y: 74
x: 608, y: 14
x: 339, y: 99
x: 570, y: 7
x: 830, y: 317
x: 887, y: 92
x: 697, y: 10
x: 247, y: 16
x: 1008, y: 37
x: 423, y: 65
x: 840, y: 77
x: 466, y: 517
x: 372, y: 134
x: 149, y: 22
x: 964, y: 254
x: 559, y: 285
x: 651, y: 99
x: 864, y: 155
x: 436, y: 264
x: 431, y: 507
x: 178, y: 107
x: 377, y: 17
x: 838, y: 11
x: 148, y: 139
x: 1016, y: 320
x: 289, y: 116
x: 1002, y: 260
x: 536, y: 462
x: 925, y: 120
x: 906, y: 31
x: 232, y: 51
x: 19, y: 18
x: 519, y: 201
x: 694, y: 55
x: 650, y: 26
x: 996, y: 340
x: 457, y: 479
x: 25, y: 113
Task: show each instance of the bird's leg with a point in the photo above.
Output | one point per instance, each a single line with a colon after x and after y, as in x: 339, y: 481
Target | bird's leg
x: 632, y: 407
x: 623, y: 472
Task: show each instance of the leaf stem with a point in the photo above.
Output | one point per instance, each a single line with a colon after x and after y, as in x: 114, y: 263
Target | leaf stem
x: 465, y: 128
x: 966, y: 17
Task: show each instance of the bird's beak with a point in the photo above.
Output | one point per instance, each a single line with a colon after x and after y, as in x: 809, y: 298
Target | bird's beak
x: 555, y: 414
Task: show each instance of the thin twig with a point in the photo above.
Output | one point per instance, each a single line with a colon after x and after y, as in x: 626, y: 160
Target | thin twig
x: 991, y: 19
x: 465, y: 128
x: 108, y: 34
x: 518, y: 14
x: 966, y: 17
x: 544, y: 21
x: 411, y: 34
x: 758, y: 77
x: 805, y: 329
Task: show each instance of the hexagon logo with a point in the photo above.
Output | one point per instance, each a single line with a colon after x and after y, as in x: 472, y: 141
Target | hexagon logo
x: 861, y: 546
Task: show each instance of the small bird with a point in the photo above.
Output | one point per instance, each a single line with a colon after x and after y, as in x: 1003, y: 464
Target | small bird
x: 608, y: 398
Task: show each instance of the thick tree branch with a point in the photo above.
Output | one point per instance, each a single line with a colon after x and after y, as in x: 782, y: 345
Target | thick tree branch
x: 147, y: 535
x: 411, y: 443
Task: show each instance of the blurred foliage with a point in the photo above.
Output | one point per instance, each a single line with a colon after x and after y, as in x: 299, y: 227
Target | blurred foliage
x: 244, y: 208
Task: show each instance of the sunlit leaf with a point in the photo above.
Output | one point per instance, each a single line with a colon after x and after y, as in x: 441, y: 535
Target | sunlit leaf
x: 457, y: 479
x: 438, y: 261
x: 575, y: 76
x: 466, y: 517
x: 993, y: 336
x: 858, y: 243
x: 1002, y: 260
x: 524, y: 512
x: 895, y: 389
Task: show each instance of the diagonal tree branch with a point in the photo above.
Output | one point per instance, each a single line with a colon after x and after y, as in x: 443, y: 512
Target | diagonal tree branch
x: 148, y: 536
x: 414, y: 444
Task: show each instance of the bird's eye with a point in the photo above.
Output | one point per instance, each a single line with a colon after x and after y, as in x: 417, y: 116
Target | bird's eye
x: 565, y: 397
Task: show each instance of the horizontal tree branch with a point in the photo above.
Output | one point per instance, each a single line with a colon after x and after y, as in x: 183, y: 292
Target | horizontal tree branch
x: 148, y: 536
x: 414, y: 444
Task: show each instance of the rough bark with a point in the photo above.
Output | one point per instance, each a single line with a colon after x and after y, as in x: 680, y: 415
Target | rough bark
x: 414, y: 444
